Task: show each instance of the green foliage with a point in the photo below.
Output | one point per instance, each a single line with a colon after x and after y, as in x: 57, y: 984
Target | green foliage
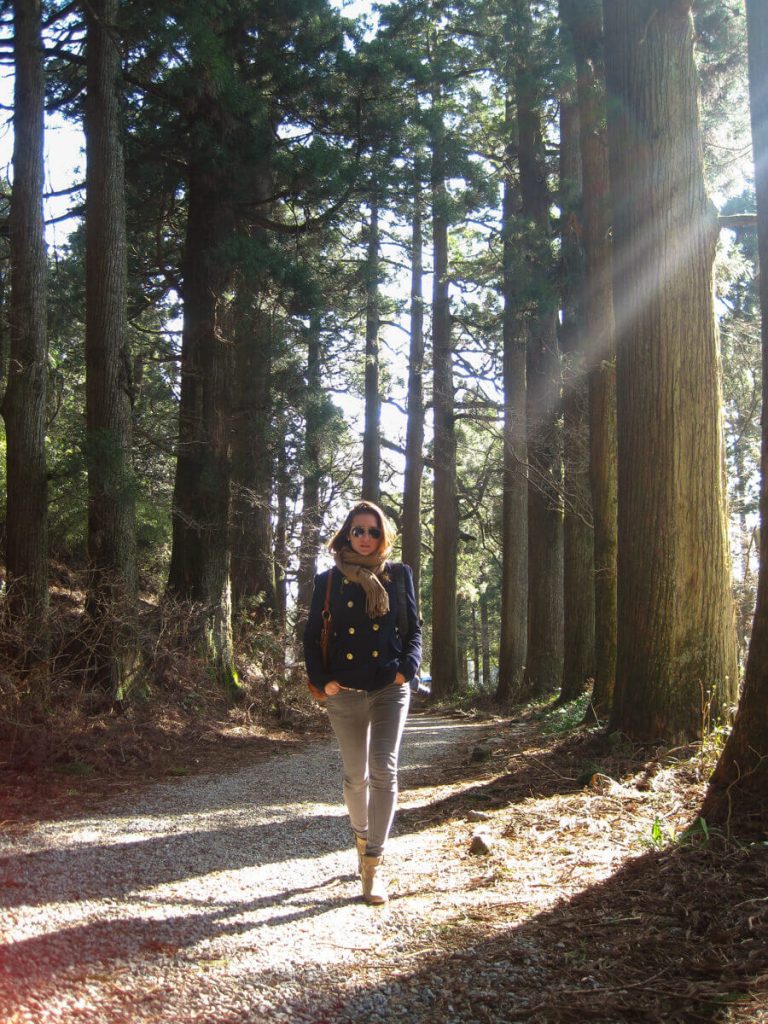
x: 562, y: 718
x: 712, y: 746
x: 699, y: 831
x: 154, y: 420
x: 721, y: 45
x: 660, y: 835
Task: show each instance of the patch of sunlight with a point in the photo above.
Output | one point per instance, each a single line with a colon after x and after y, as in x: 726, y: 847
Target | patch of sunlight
x: 138, y: 830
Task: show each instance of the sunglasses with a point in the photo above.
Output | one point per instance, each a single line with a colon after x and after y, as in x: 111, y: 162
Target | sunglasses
x: 360, y: 531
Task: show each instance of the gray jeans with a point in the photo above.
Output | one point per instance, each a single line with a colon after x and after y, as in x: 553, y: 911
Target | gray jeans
x: 369, y: 727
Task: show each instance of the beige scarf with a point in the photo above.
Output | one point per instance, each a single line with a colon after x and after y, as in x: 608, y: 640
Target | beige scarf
x: 367, y: 570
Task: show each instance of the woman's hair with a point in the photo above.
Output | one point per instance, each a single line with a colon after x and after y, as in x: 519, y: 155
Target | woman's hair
x: 341, y: 538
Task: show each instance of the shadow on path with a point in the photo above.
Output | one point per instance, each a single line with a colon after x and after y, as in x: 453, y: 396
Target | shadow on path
x: 117, y: 870
x: 678, y: 938
x: 73, y: 871
x: 35, y: 963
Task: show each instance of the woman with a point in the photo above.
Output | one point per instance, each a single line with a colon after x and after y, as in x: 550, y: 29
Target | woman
x: 366, y: 677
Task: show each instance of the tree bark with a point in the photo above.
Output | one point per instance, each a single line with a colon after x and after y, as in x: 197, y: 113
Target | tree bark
x: 200, y: 557
x: 445, y: 660
x: 253, y: 555
x: 5, y: 341
x: 475, y: 647
x: 371, y: 486
x: 676, y: 638
x: 485, y: 641
x: 253, y: 563
x: 544, y: 662
x: 111, y: 602
x: 585, y: 22
x: 738, y: 790
x: 578, y: 544
x: 513, y: 638
x: 463, y: 643
x: 281, y: 530
x: 24, y: 402
x: 311, y: 514
x: 414, y: 436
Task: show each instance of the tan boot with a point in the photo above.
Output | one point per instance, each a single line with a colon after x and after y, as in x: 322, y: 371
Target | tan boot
x: 374, y: 886
x: 361, y: 844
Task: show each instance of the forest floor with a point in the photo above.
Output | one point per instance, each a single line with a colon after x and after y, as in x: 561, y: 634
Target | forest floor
x: 540, y: 872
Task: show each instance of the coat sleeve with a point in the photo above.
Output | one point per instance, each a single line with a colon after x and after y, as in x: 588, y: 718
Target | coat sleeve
x: 313, y: 658
x: 410, y: 659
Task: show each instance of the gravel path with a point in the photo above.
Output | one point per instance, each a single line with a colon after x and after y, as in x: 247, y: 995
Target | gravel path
x: 227, y: 898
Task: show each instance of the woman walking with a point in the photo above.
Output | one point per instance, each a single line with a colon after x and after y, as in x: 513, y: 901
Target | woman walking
x: 366, y: 674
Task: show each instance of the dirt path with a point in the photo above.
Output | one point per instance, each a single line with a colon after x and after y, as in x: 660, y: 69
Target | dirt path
x: 205, y: 899
x: 232, y: 898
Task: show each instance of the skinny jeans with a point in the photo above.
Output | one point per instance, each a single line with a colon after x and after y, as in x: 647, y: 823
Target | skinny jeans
x: 369, y: 727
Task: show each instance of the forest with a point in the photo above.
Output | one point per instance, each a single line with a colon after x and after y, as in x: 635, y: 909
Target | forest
x: 490, y: 265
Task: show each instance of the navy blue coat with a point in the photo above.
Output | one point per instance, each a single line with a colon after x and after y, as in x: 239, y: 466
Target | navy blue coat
x: 364, y: 653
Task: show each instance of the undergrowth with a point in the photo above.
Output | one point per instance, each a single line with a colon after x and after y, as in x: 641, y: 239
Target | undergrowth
x: 562, y: 718
x: 56, y: 718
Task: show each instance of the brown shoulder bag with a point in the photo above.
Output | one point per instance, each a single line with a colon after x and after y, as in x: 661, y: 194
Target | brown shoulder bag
x: 325, y: 638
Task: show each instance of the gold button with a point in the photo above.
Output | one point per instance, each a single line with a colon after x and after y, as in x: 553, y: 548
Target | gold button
x: 375, y: 654
x: 350, y: 656
x: 375, y: 626
x: 344, y: 582
x: 351, y: 629
x: 350, y: 604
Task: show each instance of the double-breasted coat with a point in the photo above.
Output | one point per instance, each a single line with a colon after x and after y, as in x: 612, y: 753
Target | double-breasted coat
x: 364, y: 653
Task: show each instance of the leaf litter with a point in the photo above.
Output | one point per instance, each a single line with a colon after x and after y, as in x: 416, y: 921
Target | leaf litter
x: 604, y: 898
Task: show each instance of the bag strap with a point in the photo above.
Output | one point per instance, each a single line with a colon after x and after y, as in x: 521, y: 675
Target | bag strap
x: 325, y: 633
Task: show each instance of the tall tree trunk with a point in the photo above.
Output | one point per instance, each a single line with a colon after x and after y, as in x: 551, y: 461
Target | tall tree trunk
x: 485, y: 640
x: 445, y: 664
x: 253, y: 564
x: 371, y: 488
x: 738, y: 790
x: 463, y: 642
x: 311, y: 514
x: 578, y: 545
x: 475, y: 648
x: 253, y: 556
x: 544, y: 663
x: 513, y: 639
x: 111, y: 603
x: 4, y: 335
x: 200, y: 557
x: 281, y: 529
x: 585, y: 22
x: 414, y: 436
x: 24, y: 407
x: 676, y: 637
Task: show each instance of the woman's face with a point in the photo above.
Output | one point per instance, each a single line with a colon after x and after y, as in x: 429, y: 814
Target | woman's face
x: 360, y: 533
